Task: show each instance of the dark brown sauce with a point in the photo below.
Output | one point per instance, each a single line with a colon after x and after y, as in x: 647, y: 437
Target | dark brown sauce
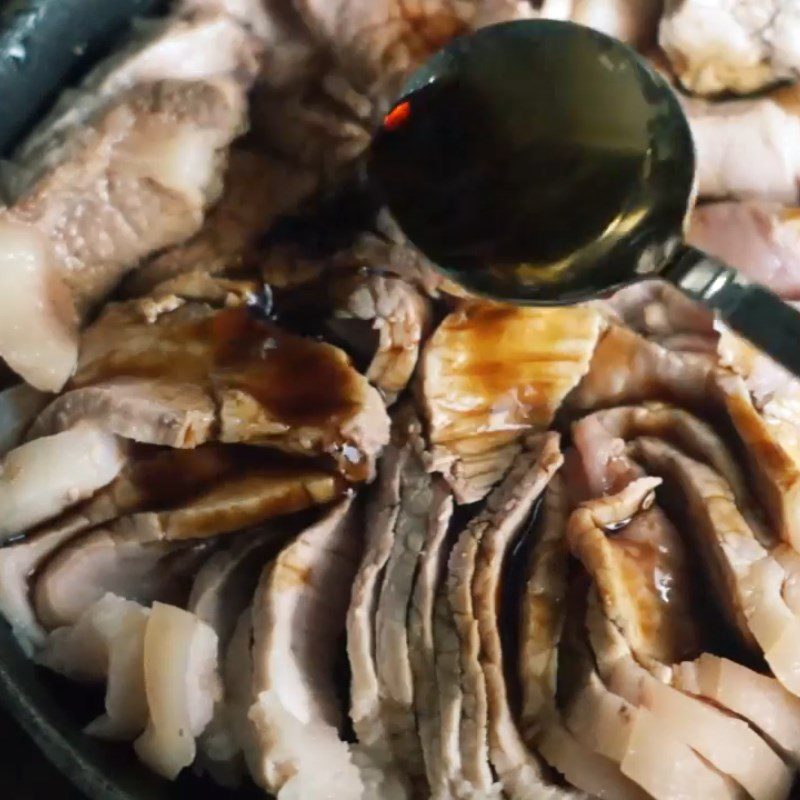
x: 166, y: 479
x: 299, y: 382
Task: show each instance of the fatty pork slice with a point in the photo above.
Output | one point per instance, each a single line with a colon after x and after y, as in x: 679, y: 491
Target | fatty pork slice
x: 42, y: 478
x: 652, y: 372
x: 632, y: 737
x: 760, y: 239
x: 421, y: 634
x: 489, y: 375
x: 400, y: 319
x: 298, y: 619
x: 775, y: 473
x: 381, y: 514
x: 258, y: 188
x: 106, y: 644
x: 485, y: 727
x: 641, y: 568
x: 134, y: 564
x: 757, y: 698
x: 221, y: 592
x: 420, y: 503
x: 137, y: 179
x: 720, y: 46
x: 156, y: 479
x: 261, y: 383
x: 194, y: 47
x: 378, y: 43
x: 748, y: 149
x: 746, y: 578
x: 727, y: 743
x: 662, y: 313
x: 541, y: 725
x: 181, y: 678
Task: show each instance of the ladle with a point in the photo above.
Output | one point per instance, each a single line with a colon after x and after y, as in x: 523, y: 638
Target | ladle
x: 542, y: 162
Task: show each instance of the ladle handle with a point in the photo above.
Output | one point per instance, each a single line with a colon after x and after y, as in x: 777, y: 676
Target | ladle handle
x: 750, y: 309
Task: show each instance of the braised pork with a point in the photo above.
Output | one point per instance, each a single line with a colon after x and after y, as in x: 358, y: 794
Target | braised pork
x: 489, y: 375
x: 717, y: 46
x: 299, y: 616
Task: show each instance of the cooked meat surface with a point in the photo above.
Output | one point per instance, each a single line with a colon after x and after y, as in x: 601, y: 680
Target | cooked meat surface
x: 254, y: 382
x: 491, y: 373
x: 720, y: 46
x: 135, y: 180
x: 299, y: 615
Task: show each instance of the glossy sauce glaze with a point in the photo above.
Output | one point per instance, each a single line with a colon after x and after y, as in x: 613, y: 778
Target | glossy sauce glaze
x: 298, y: 382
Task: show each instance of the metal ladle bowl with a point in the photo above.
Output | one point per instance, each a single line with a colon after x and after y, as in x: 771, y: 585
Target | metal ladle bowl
x: 542, y: 162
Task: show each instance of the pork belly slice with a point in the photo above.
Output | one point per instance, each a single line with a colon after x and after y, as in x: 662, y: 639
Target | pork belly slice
x: 746, y: 578
x: 260, y: 383
x: 719, y: 46
x: 421, y: 635
x: 775, y: 473
x: 487, y: 735
x: 196, y: 47
x: 489, y: 375
x: 421, y: 502
x: 106, y: 644
x: 543, y: 730
x: 378, y: 43
x: 132, y: 564
x: 661, y: 312
x: 748, y: 149
x: 382, y: 510
x: 727, y: 743
x: 298, y: 619
x: 399, y: 319
x: 135, y: 180
x: 181, y: 681
x: 757, y: 698
x: 42, y: 478
x: 651, y: 372
x: 639, y: 563
x: 258, y: 188
x: 221, y: 592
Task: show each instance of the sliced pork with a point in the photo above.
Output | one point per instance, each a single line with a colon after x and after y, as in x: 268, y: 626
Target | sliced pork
x: 137, y: 179
x: 400, y: 319
x: 299, y: 618
x: 42, y: 478
x: 106, y: 644
x: 487, y: 734
x: 728, y: 744
x: 181, y: 681
x: 491, y: 373
x: 261, y: 383
x: 223, y: 588
x: 747, y: 149
x: 258, y: 189
x: 135, y: 567
x: 378, y: 44
x: 747, y: 579
x: 721, y: 46
x: 651, y: 372
x: 759, y: 699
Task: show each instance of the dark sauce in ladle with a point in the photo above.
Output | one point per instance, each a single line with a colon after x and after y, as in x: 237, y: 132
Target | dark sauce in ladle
x: 534, y: 160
